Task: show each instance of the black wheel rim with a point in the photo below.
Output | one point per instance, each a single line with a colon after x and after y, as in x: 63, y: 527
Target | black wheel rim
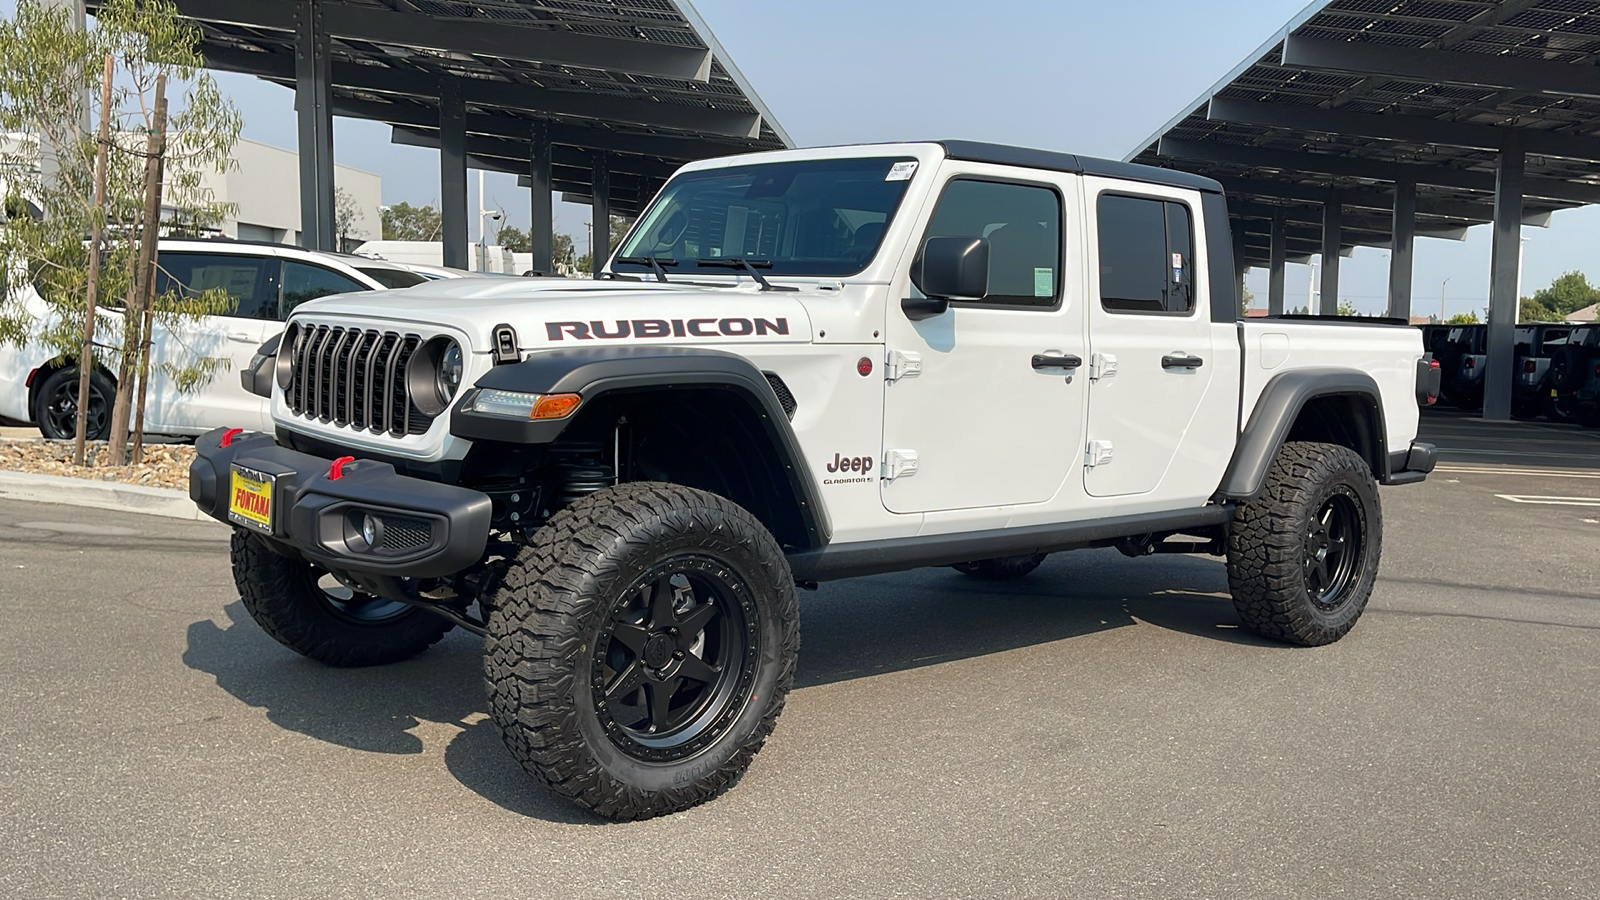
x: 61, y: 410
x: 1335, y: 542
x: 675, y: 659
x: 353, y: 606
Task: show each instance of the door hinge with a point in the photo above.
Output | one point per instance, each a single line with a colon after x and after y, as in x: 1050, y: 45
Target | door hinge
x: 898, y: 463
x: 902, y: 364
x: 1102, y: 365
x: 1098, y: 453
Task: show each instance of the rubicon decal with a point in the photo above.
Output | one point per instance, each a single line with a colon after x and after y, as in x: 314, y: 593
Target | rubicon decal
x: 849, y: 465
x: 618, y: 329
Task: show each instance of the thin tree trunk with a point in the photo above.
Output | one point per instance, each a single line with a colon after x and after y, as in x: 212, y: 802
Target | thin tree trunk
x: 96, y: 234
x: 153, y: 201
x: 132, y: 335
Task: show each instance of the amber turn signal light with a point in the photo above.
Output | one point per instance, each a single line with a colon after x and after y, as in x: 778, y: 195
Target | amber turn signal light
x: 555, y: 406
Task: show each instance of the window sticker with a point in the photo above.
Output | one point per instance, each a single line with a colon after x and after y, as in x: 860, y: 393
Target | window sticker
x: 901, y: 171
x: 1044, y: 282
x: 1177, y: 267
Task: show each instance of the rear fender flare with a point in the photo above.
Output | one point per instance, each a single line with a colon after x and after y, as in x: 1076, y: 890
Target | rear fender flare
x: 1275, y: 413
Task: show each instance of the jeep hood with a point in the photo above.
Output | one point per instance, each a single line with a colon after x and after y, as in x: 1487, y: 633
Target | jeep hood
x: 549, y: 313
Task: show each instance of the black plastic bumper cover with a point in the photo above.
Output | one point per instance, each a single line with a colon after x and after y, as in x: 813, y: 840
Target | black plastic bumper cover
x: 320, y: 517
x: 1412, y: 466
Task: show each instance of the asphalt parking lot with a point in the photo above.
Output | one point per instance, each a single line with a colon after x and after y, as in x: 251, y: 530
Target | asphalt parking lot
x: 1099, y: 729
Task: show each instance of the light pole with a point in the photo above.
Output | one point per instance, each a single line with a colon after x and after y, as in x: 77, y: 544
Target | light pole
x: 1444, y: 284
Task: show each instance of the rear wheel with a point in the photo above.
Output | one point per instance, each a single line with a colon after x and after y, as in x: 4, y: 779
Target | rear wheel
x: 1001, y: 568
x: 306, y: 610
x: 55, y: 407
x: 640, y: 648
x: 1303, y: 556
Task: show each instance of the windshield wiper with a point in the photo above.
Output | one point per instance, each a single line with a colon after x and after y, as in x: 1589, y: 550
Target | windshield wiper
x: 656, y: 264
x: 749, y: 265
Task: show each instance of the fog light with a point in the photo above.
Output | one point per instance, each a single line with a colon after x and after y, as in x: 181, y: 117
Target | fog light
x: 371, y: 530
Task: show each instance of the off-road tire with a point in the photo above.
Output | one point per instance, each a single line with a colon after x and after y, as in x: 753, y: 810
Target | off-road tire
x: 1001, y: 568
x: 282, y: 595
x: 557, y: 616
x: 54, y: 422
x: 1270, y: 546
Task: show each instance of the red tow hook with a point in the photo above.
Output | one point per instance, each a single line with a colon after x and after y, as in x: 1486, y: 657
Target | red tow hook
x: 336, y: 471
x: 229, y: 435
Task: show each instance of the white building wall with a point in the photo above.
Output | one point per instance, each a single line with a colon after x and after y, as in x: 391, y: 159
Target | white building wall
x: 266, y: 187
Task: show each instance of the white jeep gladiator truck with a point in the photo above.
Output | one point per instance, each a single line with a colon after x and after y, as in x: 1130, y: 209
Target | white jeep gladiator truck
x: 800, y: 366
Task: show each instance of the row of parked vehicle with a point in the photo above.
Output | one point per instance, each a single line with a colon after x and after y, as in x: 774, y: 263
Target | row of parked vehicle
x: 266, y: 280
x: 1556, y: 373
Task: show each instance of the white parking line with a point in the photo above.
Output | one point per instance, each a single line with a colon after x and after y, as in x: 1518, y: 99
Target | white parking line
x: 1511, y: 470
x: 1551, y: 501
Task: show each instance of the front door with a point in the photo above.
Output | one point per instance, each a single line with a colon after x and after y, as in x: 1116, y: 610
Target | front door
x: 1150, y: 338
x: 244, y: 289
x: 979, y: 412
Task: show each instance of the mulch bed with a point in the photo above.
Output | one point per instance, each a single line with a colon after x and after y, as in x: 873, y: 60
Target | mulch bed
x: 164, y: 465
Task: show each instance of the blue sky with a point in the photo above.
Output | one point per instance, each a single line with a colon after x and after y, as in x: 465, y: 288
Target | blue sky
x: 1091, y: 78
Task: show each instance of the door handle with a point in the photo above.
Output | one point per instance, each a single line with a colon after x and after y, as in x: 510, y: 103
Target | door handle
x: 241, y: 336
x: 1043, y: 361
x: 1181, y: 362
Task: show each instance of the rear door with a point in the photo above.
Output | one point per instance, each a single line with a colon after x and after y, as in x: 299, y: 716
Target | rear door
x: 1149, y: 335
x: 228, y: 340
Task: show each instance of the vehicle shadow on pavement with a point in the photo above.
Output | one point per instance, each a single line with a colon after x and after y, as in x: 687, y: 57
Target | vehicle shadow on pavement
x: 853, y: 629
x: 888, y: 623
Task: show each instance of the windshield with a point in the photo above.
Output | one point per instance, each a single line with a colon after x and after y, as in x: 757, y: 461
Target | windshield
x: 392, y: 278
x: 823, y: 217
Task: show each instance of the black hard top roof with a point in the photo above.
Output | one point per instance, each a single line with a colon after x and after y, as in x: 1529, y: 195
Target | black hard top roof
x: 1004, y: 155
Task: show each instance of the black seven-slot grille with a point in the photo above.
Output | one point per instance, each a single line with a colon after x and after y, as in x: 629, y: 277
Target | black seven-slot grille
x: 355, y: 378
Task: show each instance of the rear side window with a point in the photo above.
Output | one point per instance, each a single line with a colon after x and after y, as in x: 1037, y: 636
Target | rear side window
x: 302, y: 282
x: 1023, y: 225
x: 252, y: 281
x: 1146, y: 255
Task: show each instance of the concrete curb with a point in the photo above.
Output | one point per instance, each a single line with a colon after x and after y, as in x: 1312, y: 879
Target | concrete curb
x: 112, y: 495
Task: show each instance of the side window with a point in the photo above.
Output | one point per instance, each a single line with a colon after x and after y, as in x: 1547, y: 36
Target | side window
x: 252, y: 281
x: 1146, y: 255
x: 1023, y: 225
x: 302, y: 282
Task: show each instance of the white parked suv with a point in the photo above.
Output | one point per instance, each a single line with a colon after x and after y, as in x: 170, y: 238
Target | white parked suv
x: 800, y: 366
x: 267, y: 280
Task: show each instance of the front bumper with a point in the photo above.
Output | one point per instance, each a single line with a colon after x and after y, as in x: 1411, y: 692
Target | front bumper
x: 428, y: 529
x: 1413, y: 465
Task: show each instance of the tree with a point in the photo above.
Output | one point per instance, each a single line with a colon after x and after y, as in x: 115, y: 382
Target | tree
x: 1346, y: 308
x: 346, y: 213
x: 1567, y: 294
x: 1531, y: 310
x: 1245, y: 301
x: 1465, y: 318
x: 619, y: 230
x: 562, y: 249
x: 514, y: 239
x: 51, y: 71
x: 404, y: 222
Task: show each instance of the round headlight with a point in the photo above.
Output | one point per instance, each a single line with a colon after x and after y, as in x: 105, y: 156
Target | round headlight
x: 451, y: 365
x: 288, y: 351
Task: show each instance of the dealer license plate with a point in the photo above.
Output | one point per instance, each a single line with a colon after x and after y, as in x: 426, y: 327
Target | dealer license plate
x: 250, y: 501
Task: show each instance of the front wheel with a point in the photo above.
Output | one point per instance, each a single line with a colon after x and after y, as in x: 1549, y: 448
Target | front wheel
x: 1303, y: 556
x: 640, y: 648
x: 309, y: 612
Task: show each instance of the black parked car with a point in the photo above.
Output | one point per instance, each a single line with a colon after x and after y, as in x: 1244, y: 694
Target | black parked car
x: 1574, y: 380
x: 1538, y: 343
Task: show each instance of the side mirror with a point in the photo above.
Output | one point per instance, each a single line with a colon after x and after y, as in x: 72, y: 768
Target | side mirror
x: 257, y: 377
x: 953, y: 268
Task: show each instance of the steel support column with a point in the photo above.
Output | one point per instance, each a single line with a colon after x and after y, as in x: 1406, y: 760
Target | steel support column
x: 1504, y: 266
x: 600, y: 215
x: 313, y: 99
x: 1278, y: 256
x: 1401, y: 245
x: 541, y: 225
x: 453, y: 173
x: 1332, y: 214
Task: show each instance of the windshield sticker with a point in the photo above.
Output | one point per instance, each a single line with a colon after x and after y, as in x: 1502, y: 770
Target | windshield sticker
x: 1044, y: 282
x: 901, y: 171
